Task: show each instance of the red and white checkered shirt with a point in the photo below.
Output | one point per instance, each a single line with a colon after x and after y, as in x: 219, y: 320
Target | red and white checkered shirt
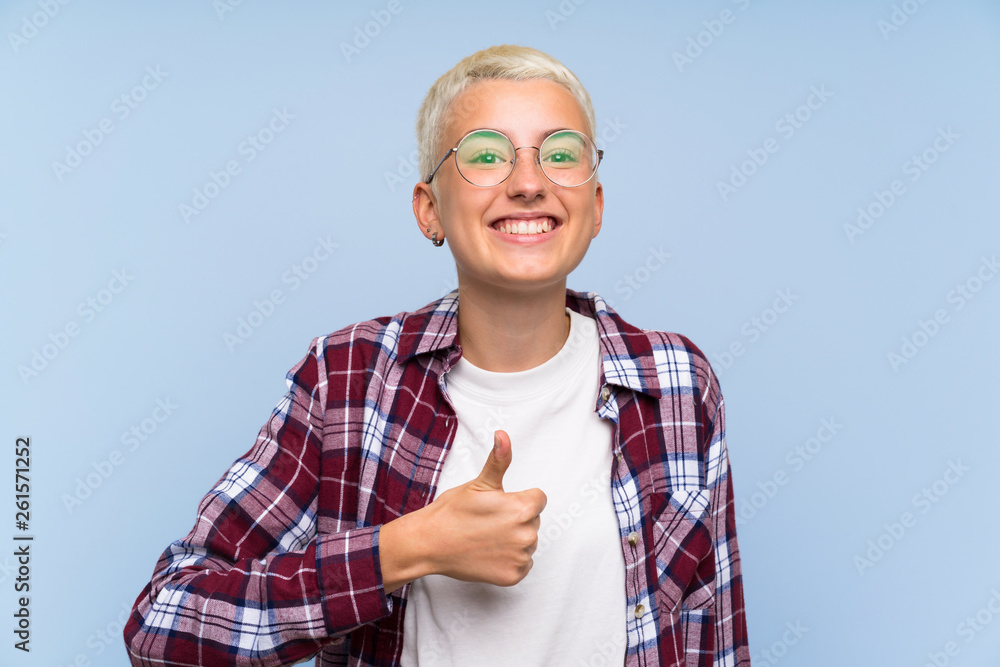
x: 283, y: 561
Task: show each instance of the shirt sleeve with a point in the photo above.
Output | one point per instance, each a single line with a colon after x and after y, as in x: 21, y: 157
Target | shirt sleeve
x: 731, y: 643
x: 253, y: 583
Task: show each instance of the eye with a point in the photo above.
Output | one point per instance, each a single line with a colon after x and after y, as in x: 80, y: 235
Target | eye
x: 486, y: 156
x: 561, y: 156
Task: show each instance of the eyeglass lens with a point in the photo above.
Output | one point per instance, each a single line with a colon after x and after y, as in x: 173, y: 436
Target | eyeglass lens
x: 486, y: 158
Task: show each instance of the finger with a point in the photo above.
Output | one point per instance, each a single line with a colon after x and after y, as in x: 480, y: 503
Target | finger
x: 536, y: 497
x: 497, y: 462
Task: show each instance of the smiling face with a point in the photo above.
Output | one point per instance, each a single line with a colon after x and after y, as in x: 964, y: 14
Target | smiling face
x: 474, y: 219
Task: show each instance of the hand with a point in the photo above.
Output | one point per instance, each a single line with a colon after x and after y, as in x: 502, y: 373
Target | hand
x: 482, y: 533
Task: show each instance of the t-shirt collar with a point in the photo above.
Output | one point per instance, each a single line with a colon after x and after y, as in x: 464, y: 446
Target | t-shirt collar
x: 626, y: 353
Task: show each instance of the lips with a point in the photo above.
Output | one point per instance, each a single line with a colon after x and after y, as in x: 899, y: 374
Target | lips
x: 525, y: 225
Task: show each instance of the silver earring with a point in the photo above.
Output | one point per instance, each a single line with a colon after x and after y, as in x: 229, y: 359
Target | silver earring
x: 434, y: 240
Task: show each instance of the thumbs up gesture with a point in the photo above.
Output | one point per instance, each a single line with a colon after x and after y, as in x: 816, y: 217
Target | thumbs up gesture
x: 482, y: 532
x: 491, y: 477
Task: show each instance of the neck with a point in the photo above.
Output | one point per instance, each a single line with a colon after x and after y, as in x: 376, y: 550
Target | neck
x: 509, y: 331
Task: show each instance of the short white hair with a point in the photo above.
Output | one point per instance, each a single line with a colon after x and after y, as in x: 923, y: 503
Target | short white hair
x: 505, y: 61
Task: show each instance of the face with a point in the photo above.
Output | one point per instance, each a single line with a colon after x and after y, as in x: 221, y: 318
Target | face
x: 468, y: 215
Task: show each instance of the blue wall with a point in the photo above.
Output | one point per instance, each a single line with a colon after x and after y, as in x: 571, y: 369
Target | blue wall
x: 827, y: 201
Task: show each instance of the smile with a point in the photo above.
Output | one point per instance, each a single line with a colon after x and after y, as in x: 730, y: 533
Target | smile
x: 522, y: 227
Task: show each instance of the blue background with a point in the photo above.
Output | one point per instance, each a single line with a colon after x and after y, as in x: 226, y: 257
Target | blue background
x: 672, y: 131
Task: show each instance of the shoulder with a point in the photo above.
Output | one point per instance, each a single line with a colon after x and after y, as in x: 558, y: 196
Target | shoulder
x: 684, y: 371
x: 339, y: 357
x: 678, y: 364
x: 356, y: 344
x: 676, y: 353
x: 388, y: 337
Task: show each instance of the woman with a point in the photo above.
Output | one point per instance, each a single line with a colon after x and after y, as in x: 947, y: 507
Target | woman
x: 510, y: 475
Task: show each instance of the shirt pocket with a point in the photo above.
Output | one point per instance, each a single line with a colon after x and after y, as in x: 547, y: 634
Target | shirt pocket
x: 683, y: 550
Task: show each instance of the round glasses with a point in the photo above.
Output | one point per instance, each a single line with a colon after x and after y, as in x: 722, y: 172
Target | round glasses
x: 487, y: 157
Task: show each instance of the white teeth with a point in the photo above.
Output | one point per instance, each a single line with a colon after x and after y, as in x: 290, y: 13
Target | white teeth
x: 531, y: 227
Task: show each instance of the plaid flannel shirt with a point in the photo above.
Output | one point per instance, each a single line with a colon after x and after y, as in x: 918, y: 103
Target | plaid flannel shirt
x: 283, y: 561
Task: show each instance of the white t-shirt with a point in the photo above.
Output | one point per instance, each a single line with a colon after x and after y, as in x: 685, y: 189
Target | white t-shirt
x: 569, y: 609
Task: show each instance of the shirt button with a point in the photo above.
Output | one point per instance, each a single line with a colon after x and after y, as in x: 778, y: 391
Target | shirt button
x: 605, y: 393
x: 639, y: 611
x: 633, y: 537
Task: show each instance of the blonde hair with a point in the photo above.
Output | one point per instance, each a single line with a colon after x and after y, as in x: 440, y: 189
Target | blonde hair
x: 505, y: 61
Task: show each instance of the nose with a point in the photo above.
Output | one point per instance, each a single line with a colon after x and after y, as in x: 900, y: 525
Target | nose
x: 527, y: 178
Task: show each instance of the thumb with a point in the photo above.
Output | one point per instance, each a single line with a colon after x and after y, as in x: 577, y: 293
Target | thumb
x: 497, y: 461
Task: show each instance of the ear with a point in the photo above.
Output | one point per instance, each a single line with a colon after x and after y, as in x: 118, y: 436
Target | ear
x: 425, y: 210
x: 598, y: 208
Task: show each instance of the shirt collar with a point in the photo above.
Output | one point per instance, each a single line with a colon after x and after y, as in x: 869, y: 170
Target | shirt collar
x: 625, y: 350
